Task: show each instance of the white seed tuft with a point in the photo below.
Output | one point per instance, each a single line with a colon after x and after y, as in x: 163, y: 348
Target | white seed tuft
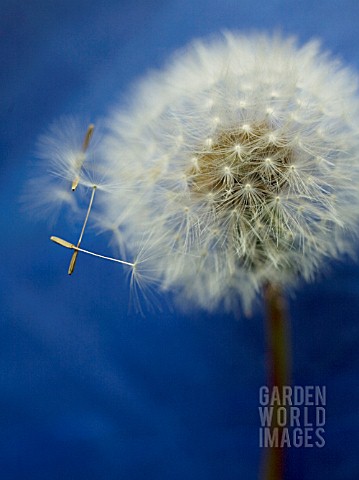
x: 260, y: 181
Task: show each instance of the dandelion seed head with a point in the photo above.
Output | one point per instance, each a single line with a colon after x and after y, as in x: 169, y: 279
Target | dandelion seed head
x: 239, y: 160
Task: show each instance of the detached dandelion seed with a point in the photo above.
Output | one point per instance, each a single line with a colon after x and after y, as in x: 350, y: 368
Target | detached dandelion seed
x: 74, y: 255
x: 79, y: 164
x: 81, y: 157
x: 66, y: 244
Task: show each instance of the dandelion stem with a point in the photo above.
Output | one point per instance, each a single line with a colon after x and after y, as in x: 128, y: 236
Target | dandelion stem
x: 279, y: 371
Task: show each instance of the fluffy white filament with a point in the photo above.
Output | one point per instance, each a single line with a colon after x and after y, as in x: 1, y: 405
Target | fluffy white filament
x: 235, y: 165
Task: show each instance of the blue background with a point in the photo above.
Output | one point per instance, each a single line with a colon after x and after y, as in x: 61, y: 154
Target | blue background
x: 89, y: 390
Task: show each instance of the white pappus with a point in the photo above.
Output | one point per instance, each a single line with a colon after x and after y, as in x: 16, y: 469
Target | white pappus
x: 235, y: 165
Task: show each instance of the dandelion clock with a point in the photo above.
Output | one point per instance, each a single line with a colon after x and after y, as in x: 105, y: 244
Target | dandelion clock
x: 229, y: 176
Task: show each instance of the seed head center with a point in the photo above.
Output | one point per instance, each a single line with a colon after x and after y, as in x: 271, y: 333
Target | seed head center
x: 261, y: 168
